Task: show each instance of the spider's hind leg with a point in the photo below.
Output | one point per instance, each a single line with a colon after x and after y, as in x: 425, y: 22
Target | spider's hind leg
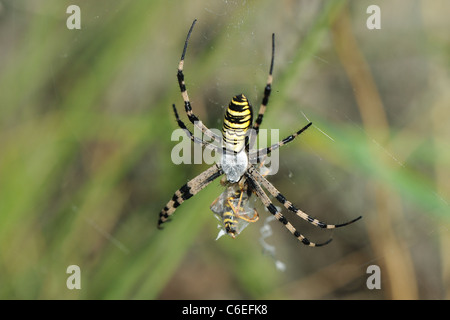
x: 187, y: 191
x: 256, y: 187
x: 288, y: 205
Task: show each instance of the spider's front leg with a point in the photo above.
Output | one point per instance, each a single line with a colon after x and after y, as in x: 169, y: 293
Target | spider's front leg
x: 187, y: 103
x: 191, y: 136
x: 267, y: 91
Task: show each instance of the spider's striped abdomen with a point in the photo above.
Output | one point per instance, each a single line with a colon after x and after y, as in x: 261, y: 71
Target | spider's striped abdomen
x: 237, y: 121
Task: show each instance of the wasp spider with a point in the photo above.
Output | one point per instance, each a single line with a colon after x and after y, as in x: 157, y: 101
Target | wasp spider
x: 238, y: 162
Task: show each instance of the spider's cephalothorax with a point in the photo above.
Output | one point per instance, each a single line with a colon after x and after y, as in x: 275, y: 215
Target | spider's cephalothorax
x: 238, y: 163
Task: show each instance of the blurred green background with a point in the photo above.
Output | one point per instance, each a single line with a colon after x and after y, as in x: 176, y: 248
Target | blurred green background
x: 85, y: 148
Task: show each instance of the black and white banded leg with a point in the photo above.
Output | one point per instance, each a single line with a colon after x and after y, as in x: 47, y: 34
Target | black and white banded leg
x: 288, y: 205
x: 187, y: 104
x: 189, y: 190
x: 191, y: 136
x: 255, y: 156
x: 267, y: 91
x: 256, y: 187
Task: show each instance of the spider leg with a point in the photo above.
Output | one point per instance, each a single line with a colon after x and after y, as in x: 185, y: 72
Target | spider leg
x: 187, y: 104
x: 256, y: 187
x: 191, y: 135
x: 267, y: 91
x: 258, y: 154
x: 288, y: 205
x: 189, y: 190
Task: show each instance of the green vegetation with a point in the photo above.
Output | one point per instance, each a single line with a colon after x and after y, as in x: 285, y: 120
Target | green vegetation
x: 85, y: 168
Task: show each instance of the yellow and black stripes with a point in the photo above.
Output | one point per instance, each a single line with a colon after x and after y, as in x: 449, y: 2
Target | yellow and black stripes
x: 230, y: 222
x: 233, y: 209
x: 288, y: 205
x: 189, y: 190
x: 229, y: 216
x: 238, y: 119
